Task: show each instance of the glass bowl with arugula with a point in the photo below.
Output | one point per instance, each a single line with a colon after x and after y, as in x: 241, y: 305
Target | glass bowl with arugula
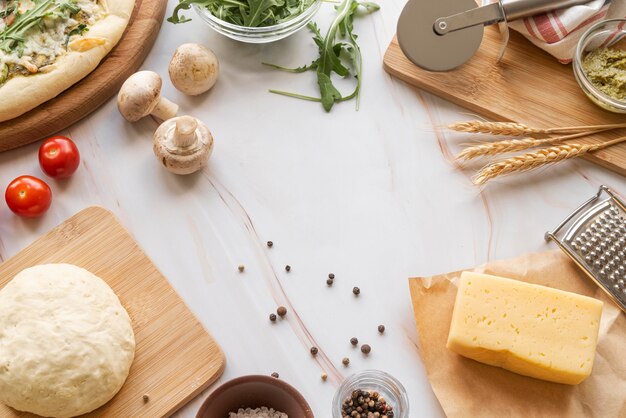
x: 251, y: 21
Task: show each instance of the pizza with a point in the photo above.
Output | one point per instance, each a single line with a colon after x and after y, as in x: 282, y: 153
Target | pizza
x: 46, y: 46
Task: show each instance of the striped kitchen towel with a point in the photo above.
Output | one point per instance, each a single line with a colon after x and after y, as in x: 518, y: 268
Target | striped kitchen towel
x: 558, y: 32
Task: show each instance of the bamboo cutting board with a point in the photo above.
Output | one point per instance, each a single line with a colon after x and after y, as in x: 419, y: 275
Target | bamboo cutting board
x: 528, y: 86
x: 94, y: 90
x: 175, y: 358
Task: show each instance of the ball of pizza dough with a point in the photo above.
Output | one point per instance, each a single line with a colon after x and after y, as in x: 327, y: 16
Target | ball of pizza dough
x: 66, y: 342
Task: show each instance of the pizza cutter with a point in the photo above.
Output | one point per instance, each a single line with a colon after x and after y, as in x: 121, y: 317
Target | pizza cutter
x: 440, y: 35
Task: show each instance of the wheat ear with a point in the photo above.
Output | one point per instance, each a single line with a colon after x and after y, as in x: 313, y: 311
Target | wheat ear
x: 494, y: 128
x: 537, y: 159
x: 512, y: 145
x: 519, y: 129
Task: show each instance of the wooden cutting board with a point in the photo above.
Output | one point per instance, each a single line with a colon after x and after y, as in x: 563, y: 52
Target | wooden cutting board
x: 528, y: 86
x: 94, y: 90
x: 175, y: 358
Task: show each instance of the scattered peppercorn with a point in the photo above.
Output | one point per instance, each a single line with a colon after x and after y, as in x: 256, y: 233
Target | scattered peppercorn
x: 288, y: 268
x: 365, y: 404
x: 366, y: 349
x: 270, y: 244
x: 354, y: 341
x: 324, y: 376
x: 275, y: 375
x: 241, y: 268
x: 345, y: 361
x: 281, y: 311
x: 314, y: 351
x: 331, y: 276
x: 330, y: 282
x: 273, y: 317
x: 356, y: 291
x: 146, y: 397
x: 381, y: 328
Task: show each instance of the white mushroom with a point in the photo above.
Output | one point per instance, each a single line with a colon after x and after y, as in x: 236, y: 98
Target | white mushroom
x: 193, y: 69
x: 183, y: 144
x: 140, y: 96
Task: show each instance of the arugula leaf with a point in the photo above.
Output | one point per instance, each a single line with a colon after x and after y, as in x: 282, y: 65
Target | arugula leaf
x: 78, y: 30
x: 328, y: 91
x: 12, y: 37
x: 339, y: 57
x: 249, y: 13
x: 257, y: 12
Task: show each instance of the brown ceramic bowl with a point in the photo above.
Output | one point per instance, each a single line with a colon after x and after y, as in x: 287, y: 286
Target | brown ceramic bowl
x: 254, y: 392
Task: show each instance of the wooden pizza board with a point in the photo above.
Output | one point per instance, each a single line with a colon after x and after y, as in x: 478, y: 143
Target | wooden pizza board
x: 175, y: 358
x: 94, y: 90
x: 528, y: 86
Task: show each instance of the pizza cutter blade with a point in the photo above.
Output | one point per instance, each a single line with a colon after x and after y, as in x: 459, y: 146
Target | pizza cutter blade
x: 440, y: 35
x: 424, y: 47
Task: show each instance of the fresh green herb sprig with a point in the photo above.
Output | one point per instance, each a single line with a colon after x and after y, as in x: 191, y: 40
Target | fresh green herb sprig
x: 248, y: 13
x: 339, y: 53
x: 12, y: 37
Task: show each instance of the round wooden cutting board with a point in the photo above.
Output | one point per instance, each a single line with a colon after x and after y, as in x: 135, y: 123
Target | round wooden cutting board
x: 91, y: 92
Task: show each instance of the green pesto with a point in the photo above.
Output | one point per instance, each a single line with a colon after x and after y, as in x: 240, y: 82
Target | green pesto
x: 606, y: 69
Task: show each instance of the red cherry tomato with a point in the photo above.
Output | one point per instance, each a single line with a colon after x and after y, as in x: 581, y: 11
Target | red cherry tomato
x: 59, y: 157
x: 28, y: 196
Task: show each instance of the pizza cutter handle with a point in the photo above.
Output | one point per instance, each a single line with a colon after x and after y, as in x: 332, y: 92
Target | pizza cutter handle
x: 517, y: 9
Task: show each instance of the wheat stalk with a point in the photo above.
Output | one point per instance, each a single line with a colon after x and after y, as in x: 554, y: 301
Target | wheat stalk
x: 494, y: 128
x: 519, y: 129
x: 537, y: 159
x: 512, y: 145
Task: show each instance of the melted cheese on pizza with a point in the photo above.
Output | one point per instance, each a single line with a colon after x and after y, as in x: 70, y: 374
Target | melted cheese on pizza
x: 50, y: 37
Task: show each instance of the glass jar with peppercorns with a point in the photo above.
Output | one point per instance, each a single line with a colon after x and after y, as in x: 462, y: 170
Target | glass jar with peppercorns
x: 371, y: 394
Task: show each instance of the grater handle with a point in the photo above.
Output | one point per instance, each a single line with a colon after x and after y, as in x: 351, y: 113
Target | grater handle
x: 517, y: 9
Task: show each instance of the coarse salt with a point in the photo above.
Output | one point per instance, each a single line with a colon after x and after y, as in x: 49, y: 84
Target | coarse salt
x: 262, y: 412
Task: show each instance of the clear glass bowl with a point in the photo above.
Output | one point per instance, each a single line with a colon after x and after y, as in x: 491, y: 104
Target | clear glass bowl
x: 605, y: 33
x: 259, y: 35
x: 374, y: 380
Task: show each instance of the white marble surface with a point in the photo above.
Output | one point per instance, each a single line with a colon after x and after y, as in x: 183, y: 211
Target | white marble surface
x: 371, y: 196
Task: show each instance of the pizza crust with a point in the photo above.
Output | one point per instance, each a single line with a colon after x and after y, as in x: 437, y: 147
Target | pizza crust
x: 66, y: 342
x: 23, y: 93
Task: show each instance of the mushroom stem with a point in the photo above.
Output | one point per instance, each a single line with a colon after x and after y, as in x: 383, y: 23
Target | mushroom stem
x: 185, y: 132
x: 165, y: 109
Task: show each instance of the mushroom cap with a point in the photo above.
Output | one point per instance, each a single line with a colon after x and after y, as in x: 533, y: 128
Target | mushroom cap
x: 193, y: 69
x: 183, y: 159
x: 139, y: 95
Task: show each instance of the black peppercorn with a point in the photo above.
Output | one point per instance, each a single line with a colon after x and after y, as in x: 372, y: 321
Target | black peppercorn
x: 288, y: 268
x: 356, y: 291
x: 314, y: 351
x: 331, y: 276
x: 366, y: 349
x: 345, y: 361
x: 354, y: 341
x: 330, y: 282
x: 273, y: 317
x: 365, y: 404
x: 270, y: 244
x: 275, y: 375
x: 381, y: 328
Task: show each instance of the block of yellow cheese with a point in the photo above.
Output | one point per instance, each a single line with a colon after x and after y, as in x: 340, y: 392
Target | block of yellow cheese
x: 532, y: 330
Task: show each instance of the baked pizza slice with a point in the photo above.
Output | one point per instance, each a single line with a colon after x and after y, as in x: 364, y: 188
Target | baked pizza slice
x: 46, y: 46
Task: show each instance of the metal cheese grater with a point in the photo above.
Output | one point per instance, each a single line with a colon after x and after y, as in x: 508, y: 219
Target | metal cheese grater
x: 596, y: 241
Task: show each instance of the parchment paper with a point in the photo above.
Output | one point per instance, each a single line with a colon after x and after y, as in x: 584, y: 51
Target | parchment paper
x: 466, y: 388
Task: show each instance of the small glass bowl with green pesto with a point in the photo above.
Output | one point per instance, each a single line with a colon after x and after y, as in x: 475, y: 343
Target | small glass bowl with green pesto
x: 599, y: 67
x: 260, y: 34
